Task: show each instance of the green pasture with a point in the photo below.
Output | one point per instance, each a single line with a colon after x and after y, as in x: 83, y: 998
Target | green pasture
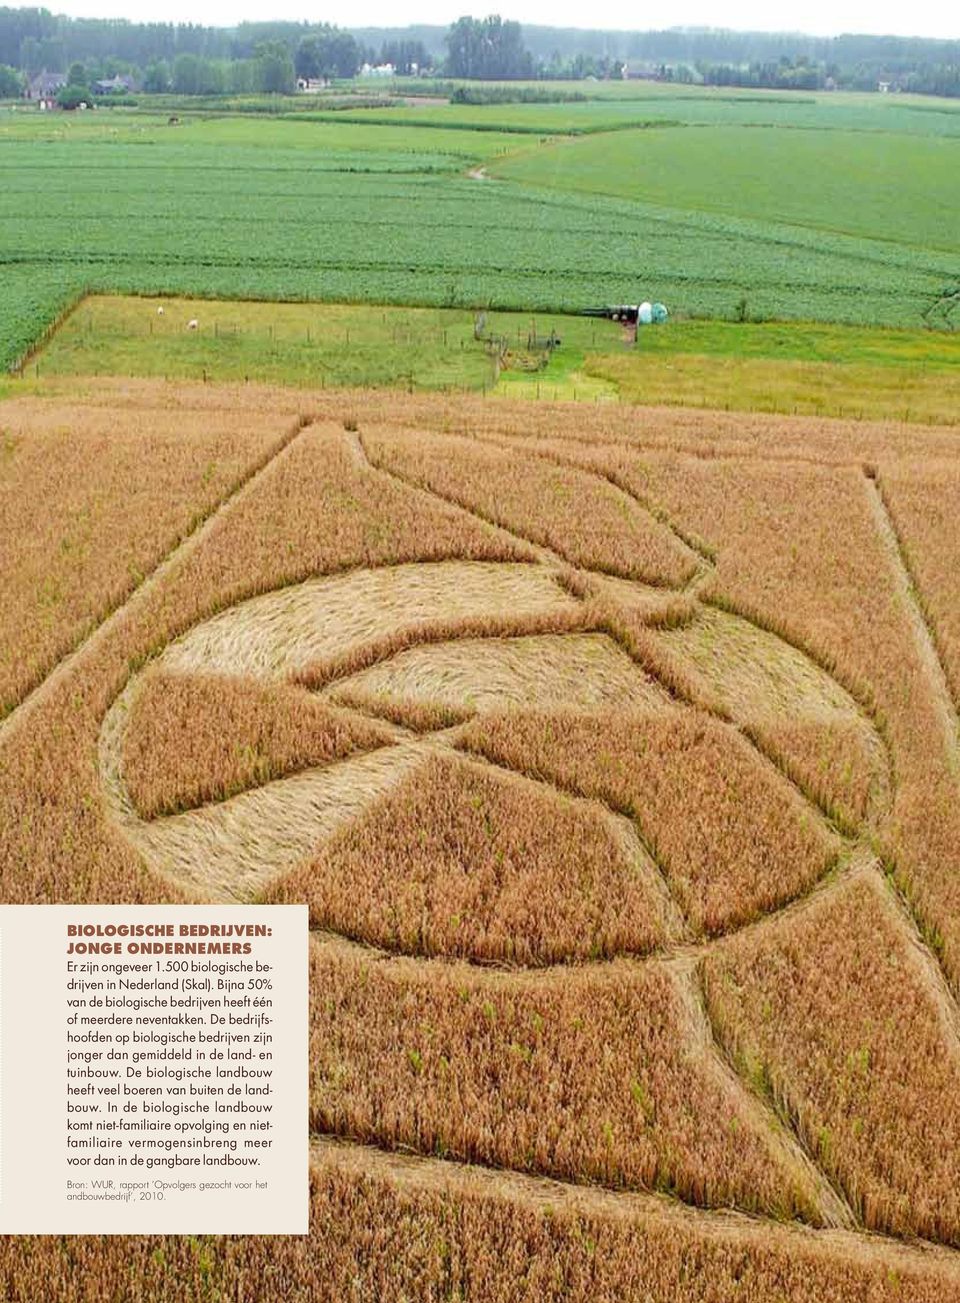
x: 312, y: 344
x: 937, y: 351
x: 794, y: 368
x: 816, y: 370
x: 334, y: 135
x: 296, y: 134
x: 24, y: 122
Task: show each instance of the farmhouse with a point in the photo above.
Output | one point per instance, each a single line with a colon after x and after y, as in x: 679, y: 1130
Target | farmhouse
x: 45, y: 85
x: 114, y: 86
x: 640, y: 70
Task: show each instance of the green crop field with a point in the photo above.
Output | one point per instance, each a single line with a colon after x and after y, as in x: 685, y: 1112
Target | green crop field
x: 834, y: 181
x: 686, y: 106
x: 457, y: 206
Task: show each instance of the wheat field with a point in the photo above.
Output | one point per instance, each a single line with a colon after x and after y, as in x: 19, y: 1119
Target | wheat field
x: 616, y: 756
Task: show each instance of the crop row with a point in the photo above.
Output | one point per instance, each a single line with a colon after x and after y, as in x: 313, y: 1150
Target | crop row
x: 297, y: 225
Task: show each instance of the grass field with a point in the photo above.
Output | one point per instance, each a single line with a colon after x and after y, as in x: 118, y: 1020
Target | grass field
x: 812, y: 370
x: 313, y: 344
x: 615, y: 753
x: 851, y: 183
x: 819, y: 370
x: 525, y: 207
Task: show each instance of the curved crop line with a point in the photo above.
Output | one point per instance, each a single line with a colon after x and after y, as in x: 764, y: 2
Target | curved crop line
x: 833, y: 875
x: 769, y: 757
x: 933, y: 666
x: 869, y: 710
x: 572, y: 791
x: 707, y: 553
x: 687, y: 540
x: 609, y: 628
x: 708, y: 567
x: 832, y: 880
x: 165, y: 563
x: 861, y: 698
x: 696, y: 977
x: 321, y: 674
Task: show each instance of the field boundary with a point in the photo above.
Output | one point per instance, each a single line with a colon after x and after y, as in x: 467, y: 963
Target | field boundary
x: 19, y: 364
x: 928, y: 640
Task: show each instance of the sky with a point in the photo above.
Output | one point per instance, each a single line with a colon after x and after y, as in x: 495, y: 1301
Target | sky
x: 818, y: 17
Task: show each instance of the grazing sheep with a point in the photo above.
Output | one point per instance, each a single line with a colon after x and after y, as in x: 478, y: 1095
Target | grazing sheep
x: 193, y: 324
x: 160, y: 310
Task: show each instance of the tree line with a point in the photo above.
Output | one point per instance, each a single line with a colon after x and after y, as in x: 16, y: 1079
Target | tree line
x: 190, y: 59
x: 270, y: 56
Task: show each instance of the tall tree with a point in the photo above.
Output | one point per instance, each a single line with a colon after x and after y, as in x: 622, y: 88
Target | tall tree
x: 277, y: 76
x: 11, y: 82
x: 487, y: 48
x: 406, y: 56
x: 329, y: 52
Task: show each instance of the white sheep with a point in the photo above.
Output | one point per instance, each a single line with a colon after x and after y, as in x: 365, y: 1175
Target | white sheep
x: 193, y: 324
x: 160, y: 310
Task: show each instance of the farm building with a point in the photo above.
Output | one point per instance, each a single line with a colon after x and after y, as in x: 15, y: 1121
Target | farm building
x: 45, y: 85
x: 114, y: 86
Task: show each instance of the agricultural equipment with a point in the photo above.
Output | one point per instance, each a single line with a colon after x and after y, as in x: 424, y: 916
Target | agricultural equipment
x: 635, y: 314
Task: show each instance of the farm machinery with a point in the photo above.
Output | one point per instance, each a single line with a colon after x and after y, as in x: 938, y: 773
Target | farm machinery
x: 633, y: 314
